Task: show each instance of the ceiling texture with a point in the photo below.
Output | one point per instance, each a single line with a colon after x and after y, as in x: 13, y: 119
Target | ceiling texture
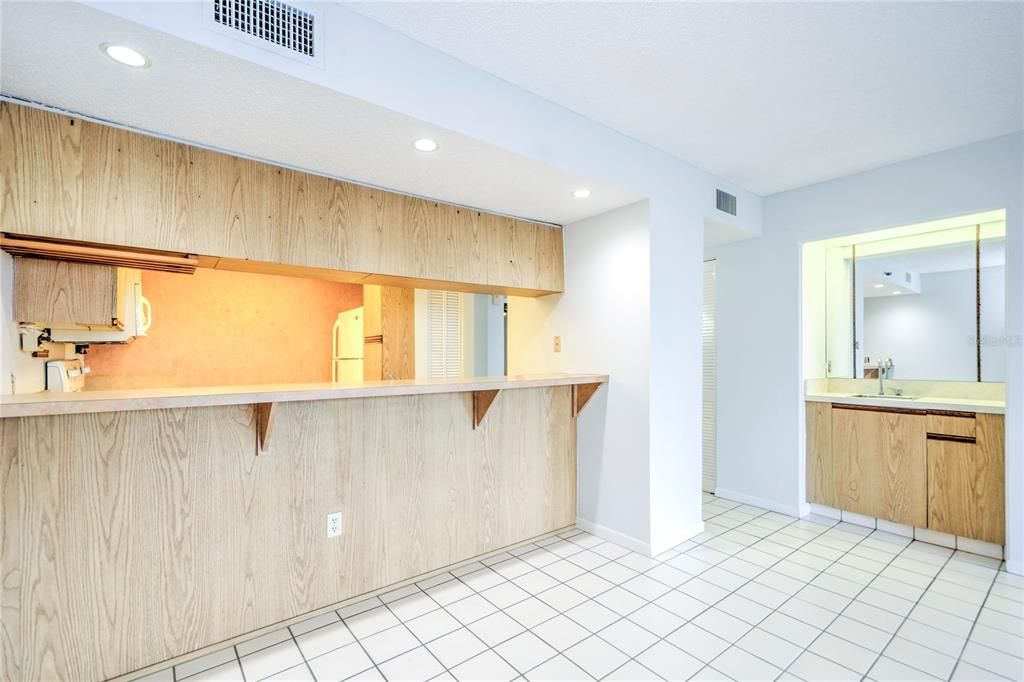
x: 771, y: 96
x: 49, y: 53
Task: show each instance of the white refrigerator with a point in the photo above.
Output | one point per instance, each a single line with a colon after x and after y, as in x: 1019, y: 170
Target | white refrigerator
x: 347, y: 363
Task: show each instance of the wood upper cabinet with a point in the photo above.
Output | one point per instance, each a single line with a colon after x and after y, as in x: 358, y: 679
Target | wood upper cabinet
x: 821, y: 487
x: 389, y: 328
x: 65, y: 178
x: 879, y: 459
x: 966, y: 481
x: 58, y: 292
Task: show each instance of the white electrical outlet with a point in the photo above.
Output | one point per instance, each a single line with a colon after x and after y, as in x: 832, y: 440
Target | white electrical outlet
x: 334, y: 524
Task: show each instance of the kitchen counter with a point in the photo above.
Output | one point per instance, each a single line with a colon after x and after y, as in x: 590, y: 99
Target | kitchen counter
x: 86, y: 402
x: 920, y: 403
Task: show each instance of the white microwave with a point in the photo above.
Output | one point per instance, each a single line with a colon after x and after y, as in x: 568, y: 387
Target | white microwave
x: 134, y: 316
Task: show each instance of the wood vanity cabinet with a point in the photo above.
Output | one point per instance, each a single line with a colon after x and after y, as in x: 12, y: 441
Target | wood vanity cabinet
x: 937, y: 470
x: 966, y: 479
x: 821, y: 484
x: 879, y: 463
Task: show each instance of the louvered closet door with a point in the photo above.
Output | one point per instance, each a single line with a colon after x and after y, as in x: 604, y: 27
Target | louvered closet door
x: 710, y: 453
x: 444, y: 333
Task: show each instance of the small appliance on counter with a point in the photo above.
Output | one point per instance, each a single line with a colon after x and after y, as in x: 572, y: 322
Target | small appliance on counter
x: 66, y: 376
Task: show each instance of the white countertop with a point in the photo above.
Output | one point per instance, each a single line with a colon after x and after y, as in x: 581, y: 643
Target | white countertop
x: 919, y: 403
x: 83, y: 402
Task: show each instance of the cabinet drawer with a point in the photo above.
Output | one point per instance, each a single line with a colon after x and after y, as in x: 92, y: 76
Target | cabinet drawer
x: 965, y: 489
x: 949, y: 425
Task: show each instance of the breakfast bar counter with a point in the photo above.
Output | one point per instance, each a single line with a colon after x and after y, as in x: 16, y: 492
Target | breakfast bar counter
x: 222, y: 495
x: 85, y: 402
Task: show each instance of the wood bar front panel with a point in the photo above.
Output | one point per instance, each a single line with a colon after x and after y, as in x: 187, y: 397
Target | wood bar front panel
x: 129, y: 538
x: 966, y: 483
x: 821, y: 487
x: 67, y: 178
x: 59, y: 292
x: 880, y: 464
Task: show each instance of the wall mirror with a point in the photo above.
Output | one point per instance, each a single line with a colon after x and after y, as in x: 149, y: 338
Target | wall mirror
x: 930, y: 302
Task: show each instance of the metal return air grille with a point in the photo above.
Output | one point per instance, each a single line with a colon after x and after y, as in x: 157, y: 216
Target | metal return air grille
x: 283, y: 25
x: 725, y: 202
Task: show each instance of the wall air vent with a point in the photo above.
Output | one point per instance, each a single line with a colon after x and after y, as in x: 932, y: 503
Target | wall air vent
x: 284, y: 28
x: 725, y: 202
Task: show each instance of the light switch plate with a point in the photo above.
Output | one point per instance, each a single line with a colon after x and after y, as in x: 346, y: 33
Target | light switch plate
x: 558, y: 344
x: 334, y: 524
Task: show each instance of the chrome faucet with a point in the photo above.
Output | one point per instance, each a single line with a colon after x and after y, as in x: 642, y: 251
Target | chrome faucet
x: 884, y: 367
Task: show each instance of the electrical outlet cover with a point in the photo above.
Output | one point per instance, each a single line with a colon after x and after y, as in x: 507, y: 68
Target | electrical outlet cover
x: 334, y: 524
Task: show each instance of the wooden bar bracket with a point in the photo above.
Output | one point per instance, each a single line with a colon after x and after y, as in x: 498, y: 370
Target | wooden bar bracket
x: 265, y: 413
x: 581, y: 395
x: 481, y: 403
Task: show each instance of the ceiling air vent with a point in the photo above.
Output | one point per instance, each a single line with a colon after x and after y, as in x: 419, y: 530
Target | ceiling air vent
x: 288, y: 28
x: 725, y: 202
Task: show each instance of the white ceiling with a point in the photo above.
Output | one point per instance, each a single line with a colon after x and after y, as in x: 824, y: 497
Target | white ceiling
x: 50, y: 54
x: 769, y: 95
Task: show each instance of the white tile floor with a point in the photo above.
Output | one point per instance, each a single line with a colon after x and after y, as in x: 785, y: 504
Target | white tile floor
x: 757, y: 596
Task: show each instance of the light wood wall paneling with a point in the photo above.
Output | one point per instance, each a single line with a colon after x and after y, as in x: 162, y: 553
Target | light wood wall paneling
x: 880, y: 464
x: 52, y: 291
x: 72, y: 179
x: 12, y: 621
x: 966, y: 483
x: 132, y: 537
x: 129, y: 188
x: 821, y: 487
x: 40, y: 172
x: 398, y: 327
x: 373, y: 323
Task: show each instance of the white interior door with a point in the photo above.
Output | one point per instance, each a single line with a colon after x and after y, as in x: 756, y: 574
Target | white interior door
x: 710, y: 450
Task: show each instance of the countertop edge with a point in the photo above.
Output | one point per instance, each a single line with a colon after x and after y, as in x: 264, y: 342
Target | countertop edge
x: 928, y: 403
x: 128, y: 400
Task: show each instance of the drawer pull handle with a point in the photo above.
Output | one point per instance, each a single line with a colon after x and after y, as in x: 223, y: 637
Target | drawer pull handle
x: 950, y: 437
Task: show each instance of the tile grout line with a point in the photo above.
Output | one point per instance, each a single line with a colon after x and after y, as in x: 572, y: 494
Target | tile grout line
x: 302, y: 654
x: 859, y: 592
x: 974, y: 623
x: 792, y: 597
x: 740, y: 527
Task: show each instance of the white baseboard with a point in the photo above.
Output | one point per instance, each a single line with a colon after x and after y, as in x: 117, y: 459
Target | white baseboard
x: 1015, y: 567
x: 605, y: 533
x: 770, y: 505
x: 680, y: 538
x: 827, y: 512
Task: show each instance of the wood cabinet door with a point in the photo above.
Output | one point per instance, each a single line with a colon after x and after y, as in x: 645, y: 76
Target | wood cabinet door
x: 59, y: 292
x: 879, y: 463
x: 821, y: 487
x: 965, y: 483
x: 372, y: 324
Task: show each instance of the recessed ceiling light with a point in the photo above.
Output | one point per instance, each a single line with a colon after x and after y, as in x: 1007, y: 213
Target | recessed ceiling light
x: 879, y: 286
x: 123, y: 54
x: 581, y: 193
x: 896, y: 293
x: 425, y: 145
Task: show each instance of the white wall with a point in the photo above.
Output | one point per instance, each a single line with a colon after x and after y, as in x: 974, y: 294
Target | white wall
x: 604, y: 322
x: 760, y: 414
x: 31, y: 372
